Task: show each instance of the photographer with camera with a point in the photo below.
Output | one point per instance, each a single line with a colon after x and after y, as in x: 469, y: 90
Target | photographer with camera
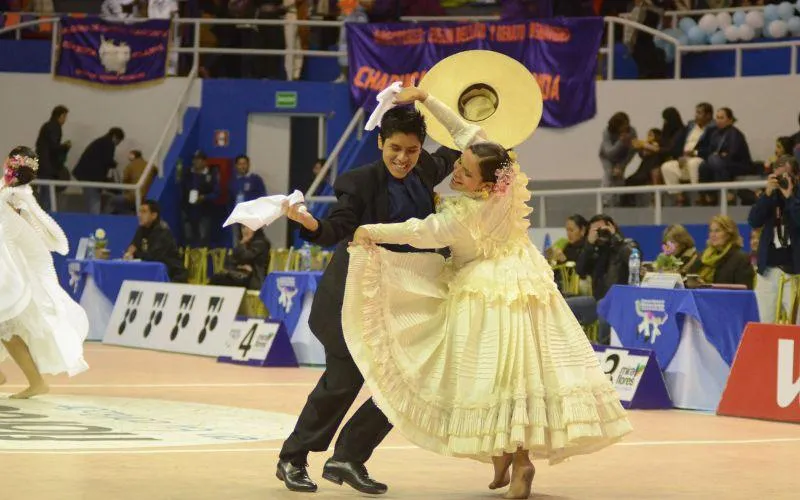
x: 777, y: 214
x: 605, y: 258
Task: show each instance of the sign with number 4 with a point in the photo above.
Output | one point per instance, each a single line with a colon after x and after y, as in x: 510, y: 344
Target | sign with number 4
x: 258, y: 342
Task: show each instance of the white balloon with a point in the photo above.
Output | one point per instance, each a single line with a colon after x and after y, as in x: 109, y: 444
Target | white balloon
x: 746, y: 33
x: 709, y: 23
x: 724, y: 19
x: 778, y: 29
x: 785, y: 10
x: 755, y: 19
x: 794, y: 25
x: 732, y: 33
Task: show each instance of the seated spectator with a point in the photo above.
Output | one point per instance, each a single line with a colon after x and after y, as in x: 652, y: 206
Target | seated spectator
x: 672, y: 131
x: 616, y: 151
x: 125, y: 203
x: 724, y: 261
x: 154, y: 242
x: 689, y: 148
x: 777, y: 214
x: 247, y: 266
x: 649, y: 171
x: 729, y: 155
x: 569, y: 249
x: 684, y: 248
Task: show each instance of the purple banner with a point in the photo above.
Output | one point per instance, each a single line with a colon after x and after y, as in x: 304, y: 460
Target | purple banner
x: 96, y: 50
x: 561, y: 53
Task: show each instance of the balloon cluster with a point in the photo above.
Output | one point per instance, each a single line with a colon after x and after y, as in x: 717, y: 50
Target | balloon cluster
x: 774, y: 21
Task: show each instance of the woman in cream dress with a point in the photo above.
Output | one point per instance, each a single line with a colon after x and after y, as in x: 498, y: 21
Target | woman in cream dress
x: 41, y: 327
x: 476, y: 356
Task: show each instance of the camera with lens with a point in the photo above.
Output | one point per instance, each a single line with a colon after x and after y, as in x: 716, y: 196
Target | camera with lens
x: 606, y: 237
x: 783, y: 181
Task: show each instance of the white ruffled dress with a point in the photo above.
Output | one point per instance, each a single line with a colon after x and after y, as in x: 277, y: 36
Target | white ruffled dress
x: 33, y: 305
x: 479, y: 354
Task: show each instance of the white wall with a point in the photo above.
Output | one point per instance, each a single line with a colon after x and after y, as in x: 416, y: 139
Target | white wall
x: 26, y: 101
x: 268, y: 140
x: 766, y: 107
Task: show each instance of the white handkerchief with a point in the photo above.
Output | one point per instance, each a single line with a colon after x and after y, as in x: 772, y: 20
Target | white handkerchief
x: 385, y: 103
x: 262, y: 212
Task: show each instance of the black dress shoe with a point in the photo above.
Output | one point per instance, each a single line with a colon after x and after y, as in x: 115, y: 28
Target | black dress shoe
x: 295, y: 478
x: 354, y: 474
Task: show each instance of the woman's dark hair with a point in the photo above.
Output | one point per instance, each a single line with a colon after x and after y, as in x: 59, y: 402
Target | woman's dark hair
x: 242, y: 157
x: 491, y: 157
x: 787, y: 144
x: 673, y: 123
x: 58, y: 112
x: 579, y: 220
x: 403, y: 120
x: 729, y: 113
x: 23, y: 174
x: 617, y: 121
x: 657, y: 135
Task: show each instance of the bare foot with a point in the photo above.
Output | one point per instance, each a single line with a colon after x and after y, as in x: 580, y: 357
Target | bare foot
x: 521, y: 481
x: 34, y: 390
x: 501, y: 475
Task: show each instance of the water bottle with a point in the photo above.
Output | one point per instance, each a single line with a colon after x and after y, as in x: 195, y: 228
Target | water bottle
x: 634, y: 267
x: 91, y: 246
x: 305, y: 257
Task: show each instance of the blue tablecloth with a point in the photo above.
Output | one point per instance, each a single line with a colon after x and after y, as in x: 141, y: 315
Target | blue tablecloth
x: 283, y: 294
x: 652, y: 318
x: 108, y: 275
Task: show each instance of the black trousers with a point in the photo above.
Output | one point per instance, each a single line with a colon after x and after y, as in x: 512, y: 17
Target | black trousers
x: 324, y: 411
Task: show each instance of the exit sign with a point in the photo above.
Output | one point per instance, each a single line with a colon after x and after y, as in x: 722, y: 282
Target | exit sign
x: 285, y: 100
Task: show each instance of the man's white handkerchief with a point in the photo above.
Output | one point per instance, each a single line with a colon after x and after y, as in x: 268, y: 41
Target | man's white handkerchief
x: 385, y: 103
x: 262, y: 212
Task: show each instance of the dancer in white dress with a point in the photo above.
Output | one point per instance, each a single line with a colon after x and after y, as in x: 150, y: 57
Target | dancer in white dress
x: 41, y: 327
x: 479, y: 355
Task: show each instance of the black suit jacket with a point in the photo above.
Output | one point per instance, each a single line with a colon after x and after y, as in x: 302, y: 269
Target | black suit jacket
x: 363, y: 198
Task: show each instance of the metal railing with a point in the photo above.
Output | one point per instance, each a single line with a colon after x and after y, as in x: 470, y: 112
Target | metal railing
x: 356, y: 124
x: 658, y: 191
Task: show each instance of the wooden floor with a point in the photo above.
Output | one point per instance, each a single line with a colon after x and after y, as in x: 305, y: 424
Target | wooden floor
x: 80, y: 442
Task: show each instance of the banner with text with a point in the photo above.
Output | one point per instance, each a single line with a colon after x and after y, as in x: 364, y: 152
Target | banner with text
x: 561, y: 53
x: 97, y: 50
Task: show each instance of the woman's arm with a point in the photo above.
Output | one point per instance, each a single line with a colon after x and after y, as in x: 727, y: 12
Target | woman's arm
x: 435, y: 231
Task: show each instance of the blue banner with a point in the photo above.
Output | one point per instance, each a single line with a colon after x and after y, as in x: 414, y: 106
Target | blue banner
x: 561, y: 53
x: 100, y: 51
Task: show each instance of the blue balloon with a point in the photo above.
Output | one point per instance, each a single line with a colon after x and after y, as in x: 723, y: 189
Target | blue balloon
x: 739, y: 17
x: 683, y: 39
x: 794, y: 26
x: 669, y: 52
x: 686, y: 24
x: 785, y: 10
x: 697, y: 36
x: 718, y: 38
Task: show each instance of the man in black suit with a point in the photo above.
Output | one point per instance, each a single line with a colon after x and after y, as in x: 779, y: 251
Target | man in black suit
x: 396, y: 188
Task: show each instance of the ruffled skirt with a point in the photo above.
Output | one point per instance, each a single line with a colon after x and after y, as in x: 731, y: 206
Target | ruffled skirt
x: 478, y: 361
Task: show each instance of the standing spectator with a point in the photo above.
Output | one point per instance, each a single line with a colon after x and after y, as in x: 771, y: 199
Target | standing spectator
x: 245, y: 185
x: 616, y: 151
x: 729, y: 155
x: 96, y: 163
x: 125, y: 203
x: 154, y: 242
x: 689, y: 149
x: 120, y: 9
x: 777, y: 214
x: 201, y: 190
x: 354, y: 12
x: 52, y: 152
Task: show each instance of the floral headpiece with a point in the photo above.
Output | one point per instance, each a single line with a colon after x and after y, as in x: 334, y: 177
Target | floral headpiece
x: 18, y: 161
x: 505, y: 175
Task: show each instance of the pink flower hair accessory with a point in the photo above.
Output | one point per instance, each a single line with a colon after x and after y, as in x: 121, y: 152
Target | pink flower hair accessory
x: 505, y: 175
